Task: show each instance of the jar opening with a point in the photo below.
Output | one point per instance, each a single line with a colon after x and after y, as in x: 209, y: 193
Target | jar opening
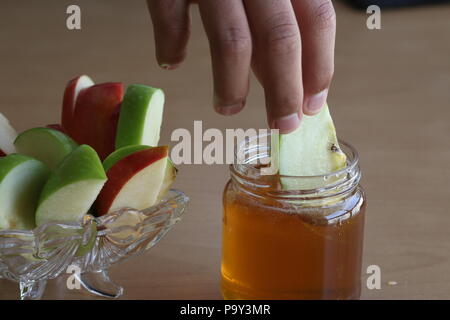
x: 252, y: 157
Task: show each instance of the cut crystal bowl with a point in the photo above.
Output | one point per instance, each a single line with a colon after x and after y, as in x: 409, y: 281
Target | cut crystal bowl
x: 87, y: 249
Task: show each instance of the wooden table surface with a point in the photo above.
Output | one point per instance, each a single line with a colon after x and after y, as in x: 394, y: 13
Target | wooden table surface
x: 390, y: 98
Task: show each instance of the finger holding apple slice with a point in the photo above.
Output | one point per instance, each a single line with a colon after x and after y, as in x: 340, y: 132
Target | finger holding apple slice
x: 7, y: 136
x: 311, y: 150
x: 47, y: 145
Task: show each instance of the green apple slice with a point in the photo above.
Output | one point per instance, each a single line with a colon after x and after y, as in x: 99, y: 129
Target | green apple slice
x: 311, y: 150
x: 47, y: 145
x: 140, y: 116
x: 21, y: 181
x: 72, y: 188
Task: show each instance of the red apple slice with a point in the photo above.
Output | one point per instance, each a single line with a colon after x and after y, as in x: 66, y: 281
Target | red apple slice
x: 134, y: 181
x: 96, y: 116
x: 7, y: 137
x: 119, y: 154
x: 71, y: 93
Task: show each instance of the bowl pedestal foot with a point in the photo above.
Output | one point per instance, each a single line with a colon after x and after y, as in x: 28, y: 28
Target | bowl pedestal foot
x: 32, y: 290
x: 99, y: 283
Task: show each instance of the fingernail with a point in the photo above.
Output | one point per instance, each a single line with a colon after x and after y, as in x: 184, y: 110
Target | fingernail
x: 228, y: 110
x: 315, y: 102
x: 286, y: 124
x: 167, y: 66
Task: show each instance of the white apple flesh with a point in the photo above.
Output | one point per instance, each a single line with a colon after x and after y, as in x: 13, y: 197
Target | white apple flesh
x: 148, y: 180
x: 73, y: 89
x: 169, y: 177
x: 7, y: 136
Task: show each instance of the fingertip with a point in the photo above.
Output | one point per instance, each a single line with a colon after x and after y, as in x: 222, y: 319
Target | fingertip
x: 315, y: 102
x: 169, y: 66
x: 286, y: 124
x: 169, y: 61
x: 228, y: 110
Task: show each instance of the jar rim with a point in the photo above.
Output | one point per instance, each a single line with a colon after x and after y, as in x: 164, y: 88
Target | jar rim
x: 247, y: 174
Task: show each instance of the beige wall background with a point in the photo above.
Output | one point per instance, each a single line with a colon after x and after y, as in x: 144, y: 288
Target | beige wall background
x: 390, y: 98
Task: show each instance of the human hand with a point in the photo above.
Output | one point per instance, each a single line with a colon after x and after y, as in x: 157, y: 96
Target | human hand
x: 289, y: 44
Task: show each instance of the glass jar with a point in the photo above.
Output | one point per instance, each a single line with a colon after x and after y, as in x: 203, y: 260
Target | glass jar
x: 292, y: 244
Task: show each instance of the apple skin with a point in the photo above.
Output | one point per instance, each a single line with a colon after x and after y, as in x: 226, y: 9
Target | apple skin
x: 123, y: 171
x: 73, y: 88
x: 44, y: 144
x: 2, y: 154
x: 96, y: 115
x: 121, y: 153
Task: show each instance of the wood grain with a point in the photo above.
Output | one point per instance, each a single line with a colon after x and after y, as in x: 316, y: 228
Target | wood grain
x: 390, y: 98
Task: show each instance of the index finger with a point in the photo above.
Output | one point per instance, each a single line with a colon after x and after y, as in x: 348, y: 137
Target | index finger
x: 277, y: 54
